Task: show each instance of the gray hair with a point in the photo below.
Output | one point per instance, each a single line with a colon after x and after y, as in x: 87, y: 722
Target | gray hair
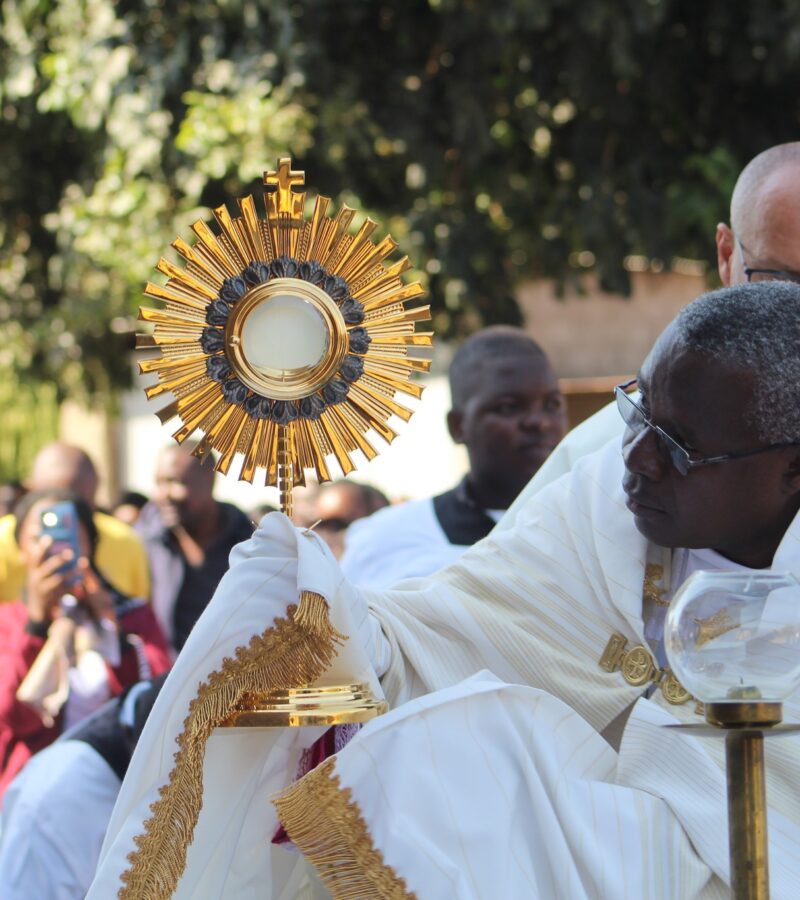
x: 755, y: 327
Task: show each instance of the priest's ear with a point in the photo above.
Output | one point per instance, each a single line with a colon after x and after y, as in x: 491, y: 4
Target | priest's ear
x: 726, y: 253
x: 455, y: 425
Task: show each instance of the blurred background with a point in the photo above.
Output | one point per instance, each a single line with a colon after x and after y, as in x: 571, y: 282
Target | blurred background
x: 549, y: 163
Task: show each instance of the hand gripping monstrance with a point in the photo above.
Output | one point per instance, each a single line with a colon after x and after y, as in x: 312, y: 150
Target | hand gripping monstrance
x: 284, y: 340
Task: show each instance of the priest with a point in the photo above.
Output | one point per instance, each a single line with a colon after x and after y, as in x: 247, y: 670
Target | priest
x: 518, y: 759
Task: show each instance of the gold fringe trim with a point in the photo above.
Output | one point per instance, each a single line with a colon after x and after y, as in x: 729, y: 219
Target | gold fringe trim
x: 325, y: 823
x: 312, y: 615
x: 294, y: 651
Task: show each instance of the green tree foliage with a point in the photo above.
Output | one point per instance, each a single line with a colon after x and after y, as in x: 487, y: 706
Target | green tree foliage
x: 30, y: 420
x: 497, y: 141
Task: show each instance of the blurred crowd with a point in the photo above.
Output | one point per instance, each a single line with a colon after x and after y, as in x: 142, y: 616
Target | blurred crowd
x: 96, y: 604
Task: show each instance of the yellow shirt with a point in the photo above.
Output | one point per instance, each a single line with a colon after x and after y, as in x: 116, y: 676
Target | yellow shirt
x: 120, y: 556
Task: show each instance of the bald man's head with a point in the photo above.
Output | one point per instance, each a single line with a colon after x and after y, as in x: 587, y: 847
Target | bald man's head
x: 765, y: 176
x: 64, y: 467
x: 765, y: 218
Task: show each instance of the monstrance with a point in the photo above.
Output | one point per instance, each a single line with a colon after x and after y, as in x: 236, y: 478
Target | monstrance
x: 284, y: 340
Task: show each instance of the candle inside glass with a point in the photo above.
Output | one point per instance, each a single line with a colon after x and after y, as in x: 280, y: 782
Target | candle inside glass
x: 735, y: 636
x: 284, y: 333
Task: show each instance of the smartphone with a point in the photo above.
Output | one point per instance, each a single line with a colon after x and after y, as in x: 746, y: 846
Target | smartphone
x: 60, y: 522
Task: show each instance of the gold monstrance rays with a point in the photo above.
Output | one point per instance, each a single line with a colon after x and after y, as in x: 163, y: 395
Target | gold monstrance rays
x: 320, y: 407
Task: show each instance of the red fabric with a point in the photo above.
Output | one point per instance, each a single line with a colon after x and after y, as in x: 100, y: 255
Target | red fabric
x: 22, y: 732
x: 333, y: 741
x: 323, y: 748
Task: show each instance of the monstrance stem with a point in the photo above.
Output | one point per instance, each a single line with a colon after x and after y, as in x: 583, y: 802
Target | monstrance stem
x: 285, y: 469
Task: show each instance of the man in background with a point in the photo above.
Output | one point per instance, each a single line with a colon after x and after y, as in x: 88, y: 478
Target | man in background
x: 188, y: 535
x: 508, y: 411
x: 121, y: 557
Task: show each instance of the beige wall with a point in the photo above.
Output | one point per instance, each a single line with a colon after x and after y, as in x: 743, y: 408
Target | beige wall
x: 602, y: 334
x: 94, y: 432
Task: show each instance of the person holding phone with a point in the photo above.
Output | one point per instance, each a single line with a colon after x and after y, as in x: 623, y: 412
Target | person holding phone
x: 71, y: 641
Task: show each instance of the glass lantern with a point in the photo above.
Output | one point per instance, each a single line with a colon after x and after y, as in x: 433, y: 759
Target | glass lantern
x: 735, y: 636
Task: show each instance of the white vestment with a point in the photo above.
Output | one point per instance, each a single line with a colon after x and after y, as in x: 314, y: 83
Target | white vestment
x: 534, y: 604
x: 55, y: 814
x: 588, y: 437
x: 487, y: 790
x: 403, y: 541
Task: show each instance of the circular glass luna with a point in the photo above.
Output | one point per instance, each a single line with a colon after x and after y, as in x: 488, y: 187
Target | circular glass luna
x: 286, y: 338
x: 284, y: 335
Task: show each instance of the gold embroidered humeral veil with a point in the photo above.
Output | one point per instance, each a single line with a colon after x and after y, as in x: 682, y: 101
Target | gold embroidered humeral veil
x: 636, y: 663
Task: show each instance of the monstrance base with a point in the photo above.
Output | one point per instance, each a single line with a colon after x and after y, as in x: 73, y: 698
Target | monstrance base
x: 310, y: 705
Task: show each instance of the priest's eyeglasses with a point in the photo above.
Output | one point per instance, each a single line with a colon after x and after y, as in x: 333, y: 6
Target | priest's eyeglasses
x: 754, y: 275
x: 636, y: 419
